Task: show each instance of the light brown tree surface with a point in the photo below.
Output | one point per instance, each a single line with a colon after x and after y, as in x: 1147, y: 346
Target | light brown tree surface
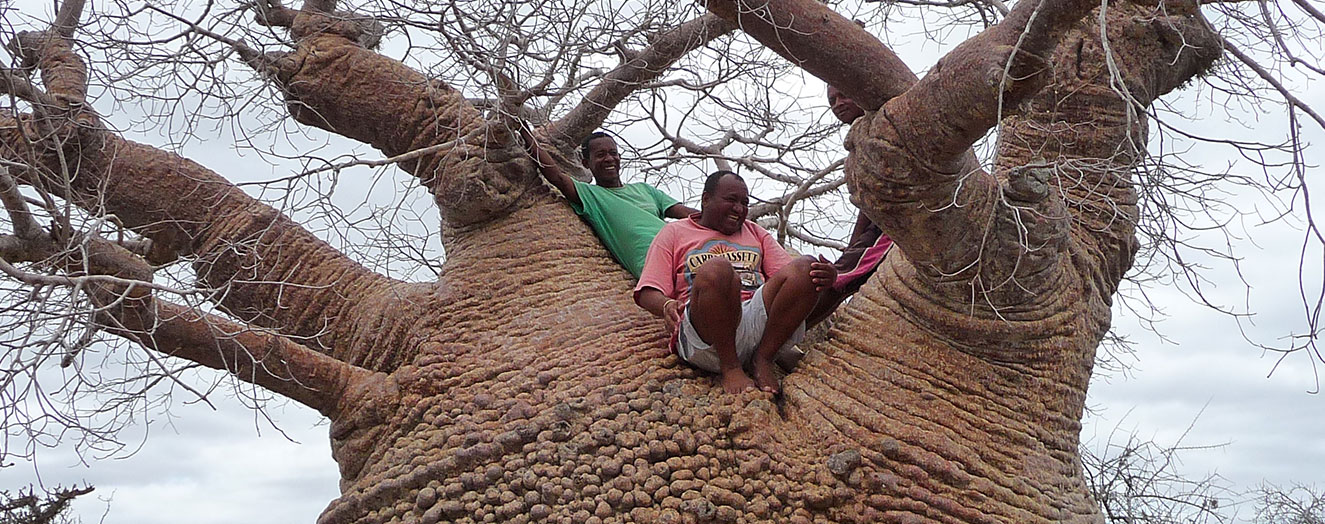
x: 523, y: 385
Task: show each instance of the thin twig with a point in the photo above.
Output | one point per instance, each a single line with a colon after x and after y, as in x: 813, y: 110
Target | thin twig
x: 1270, y: 79
x: 35, y: 279
x: 356, y: 163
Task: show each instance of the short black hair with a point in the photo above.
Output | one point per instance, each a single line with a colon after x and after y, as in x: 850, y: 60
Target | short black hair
x: 711, y: 183
x: 584, y: 146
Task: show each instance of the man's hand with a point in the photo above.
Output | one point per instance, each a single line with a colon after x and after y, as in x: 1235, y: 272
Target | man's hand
x: 655, y: 302
x: 547, y: 166
x: 531, y: 144
x: 672, y: 310
x: 822, y: 273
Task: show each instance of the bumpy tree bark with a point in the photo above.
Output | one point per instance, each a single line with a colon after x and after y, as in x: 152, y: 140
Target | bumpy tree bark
x: 525, y: 386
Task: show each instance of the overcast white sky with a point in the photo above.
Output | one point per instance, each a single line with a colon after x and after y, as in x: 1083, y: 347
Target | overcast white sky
x: 229, y: 465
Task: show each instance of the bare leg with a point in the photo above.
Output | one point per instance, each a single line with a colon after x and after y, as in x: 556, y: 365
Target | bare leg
x: 715, y: 297
x: 788, y: 297
x: 828, y: 302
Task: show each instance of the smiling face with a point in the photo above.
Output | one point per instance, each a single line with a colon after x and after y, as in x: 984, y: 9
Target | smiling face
x: 844, y: 108
x: 604, y: 161
x: 725, y: 207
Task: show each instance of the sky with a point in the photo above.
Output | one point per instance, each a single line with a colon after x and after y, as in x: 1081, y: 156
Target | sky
x: 1201, y: 385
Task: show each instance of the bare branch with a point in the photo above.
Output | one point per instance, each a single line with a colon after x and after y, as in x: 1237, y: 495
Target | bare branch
x: 800, y: 234
x: 638, y: 69
x: 712, y: 151
x: 30, y: 509
x: 1288, y: 95
x: 1311, y: 10
x: 320, y: 6
x: 824, y: 43
x: 25, y: 227
x: 67, y: 19
x: 12, y: 83
x: 804, y: 189
x: 208, y: 218
x: 404, y: 157
x: 79, y: 282
x: 398, y: 110
x: 119, y: 283
x: 251, y: 56
x: 266, y: 359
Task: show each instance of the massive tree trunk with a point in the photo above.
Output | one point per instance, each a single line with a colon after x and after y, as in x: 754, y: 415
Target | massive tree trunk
x: 524, y: 385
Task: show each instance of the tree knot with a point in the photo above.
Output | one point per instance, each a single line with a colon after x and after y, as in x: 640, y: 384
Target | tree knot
x: 1029, y: 183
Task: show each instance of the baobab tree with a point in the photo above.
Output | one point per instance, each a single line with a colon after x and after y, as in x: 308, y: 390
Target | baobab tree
x: 520, y: 384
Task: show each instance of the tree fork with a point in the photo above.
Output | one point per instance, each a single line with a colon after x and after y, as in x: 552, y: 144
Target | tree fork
x: 474, y: 169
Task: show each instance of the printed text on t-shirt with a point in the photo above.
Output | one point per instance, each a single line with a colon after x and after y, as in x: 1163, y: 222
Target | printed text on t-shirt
x: 744, y: 259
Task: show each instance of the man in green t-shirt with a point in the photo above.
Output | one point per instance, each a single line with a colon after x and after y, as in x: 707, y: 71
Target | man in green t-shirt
x: 625, y: 217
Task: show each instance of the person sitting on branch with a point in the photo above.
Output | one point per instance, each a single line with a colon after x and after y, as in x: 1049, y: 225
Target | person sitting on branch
x: 728, y: 293
x: 868, y: 244
x: 625, y: 217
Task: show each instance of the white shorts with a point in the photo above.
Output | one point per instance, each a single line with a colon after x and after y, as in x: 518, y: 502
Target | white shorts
x: 749, y: 332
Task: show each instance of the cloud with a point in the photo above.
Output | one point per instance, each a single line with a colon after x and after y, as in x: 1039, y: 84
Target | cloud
x: 204, y: 467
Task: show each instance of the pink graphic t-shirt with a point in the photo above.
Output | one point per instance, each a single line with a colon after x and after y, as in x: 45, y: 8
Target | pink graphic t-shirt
x: 682, y: 246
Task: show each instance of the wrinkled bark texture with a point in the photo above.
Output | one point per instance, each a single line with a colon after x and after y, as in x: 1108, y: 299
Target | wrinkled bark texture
x: 525, y: 386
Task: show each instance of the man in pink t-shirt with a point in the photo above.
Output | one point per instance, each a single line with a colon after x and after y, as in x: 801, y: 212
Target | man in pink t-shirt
x: 729, y: 294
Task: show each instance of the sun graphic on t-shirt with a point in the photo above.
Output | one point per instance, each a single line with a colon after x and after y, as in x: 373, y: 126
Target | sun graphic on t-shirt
x: 719, y: 249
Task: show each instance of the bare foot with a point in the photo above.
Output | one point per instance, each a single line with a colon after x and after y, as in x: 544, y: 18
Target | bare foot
x: 734, y: 381
x: 766, y: 376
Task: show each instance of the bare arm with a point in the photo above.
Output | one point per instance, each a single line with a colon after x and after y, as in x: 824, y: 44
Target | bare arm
x: 654, y: 301
x: 679, y: 210
x: 548, y: 168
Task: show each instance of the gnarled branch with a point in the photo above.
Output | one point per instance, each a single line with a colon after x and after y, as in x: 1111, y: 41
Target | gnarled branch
x: 260, y: 261
x: 824, y: 43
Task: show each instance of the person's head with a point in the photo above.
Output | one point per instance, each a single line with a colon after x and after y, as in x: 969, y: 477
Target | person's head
x: 599, y: 153
x: 844, y: 108
x: 725, y: 202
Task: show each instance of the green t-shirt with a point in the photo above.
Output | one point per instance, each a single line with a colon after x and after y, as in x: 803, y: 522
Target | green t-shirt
x: 625, y: 218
